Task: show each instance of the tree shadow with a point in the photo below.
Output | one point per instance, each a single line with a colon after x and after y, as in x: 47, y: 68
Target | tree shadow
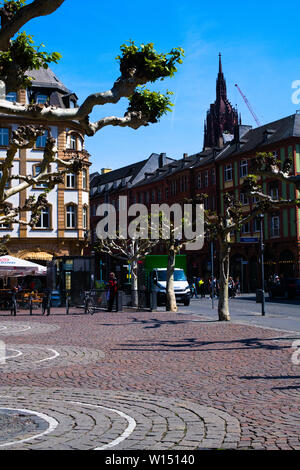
x: 195, y: 344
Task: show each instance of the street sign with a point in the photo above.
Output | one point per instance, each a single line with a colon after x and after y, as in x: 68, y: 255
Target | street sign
x: 249, y: 240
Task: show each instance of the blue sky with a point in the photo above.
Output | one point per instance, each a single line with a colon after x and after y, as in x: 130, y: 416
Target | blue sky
x: 259, y: 42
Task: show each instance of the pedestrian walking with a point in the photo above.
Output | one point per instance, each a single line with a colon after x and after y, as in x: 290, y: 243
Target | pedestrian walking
x: 112, y: 291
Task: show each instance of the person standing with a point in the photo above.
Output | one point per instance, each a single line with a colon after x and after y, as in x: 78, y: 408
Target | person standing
x: 112, y: 291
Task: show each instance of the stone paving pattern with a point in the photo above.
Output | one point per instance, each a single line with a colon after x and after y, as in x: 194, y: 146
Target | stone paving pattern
x: 242, y: 371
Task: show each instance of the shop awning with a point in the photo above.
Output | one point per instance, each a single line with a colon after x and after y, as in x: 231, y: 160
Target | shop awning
x: 15, y: 267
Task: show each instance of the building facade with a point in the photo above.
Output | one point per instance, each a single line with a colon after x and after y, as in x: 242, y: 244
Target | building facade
x: 63, y: 225
x: 220, y: 168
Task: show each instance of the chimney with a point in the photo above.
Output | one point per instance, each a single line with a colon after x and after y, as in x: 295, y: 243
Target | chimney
x: 105, y: 170
x: 185, y: 156
x: 162, y: 160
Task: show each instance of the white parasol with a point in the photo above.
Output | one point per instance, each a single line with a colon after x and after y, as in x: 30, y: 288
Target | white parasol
x: 15, y: 267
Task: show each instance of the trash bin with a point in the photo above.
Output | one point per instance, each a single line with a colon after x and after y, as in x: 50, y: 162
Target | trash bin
x: 259, y: 296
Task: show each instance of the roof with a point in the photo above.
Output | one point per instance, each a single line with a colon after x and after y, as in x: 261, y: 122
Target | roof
x: 192, y: 161
x: 263, y: 136
x: 47, y: 78
x: 129, y: 171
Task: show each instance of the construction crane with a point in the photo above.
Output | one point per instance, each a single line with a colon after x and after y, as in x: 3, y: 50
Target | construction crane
x: 249, y: 106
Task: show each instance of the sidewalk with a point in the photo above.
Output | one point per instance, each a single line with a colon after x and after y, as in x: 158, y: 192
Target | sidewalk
x: 280, y: 314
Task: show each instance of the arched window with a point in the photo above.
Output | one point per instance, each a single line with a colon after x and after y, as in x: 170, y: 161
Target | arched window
x: 71, y: 216
x: 73, y: 142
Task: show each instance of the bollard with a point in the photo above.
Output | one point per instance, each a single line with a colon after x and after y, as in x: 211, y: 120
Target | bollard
x: 119, y: 306
x: 153, y: 300
x: 30, y: 305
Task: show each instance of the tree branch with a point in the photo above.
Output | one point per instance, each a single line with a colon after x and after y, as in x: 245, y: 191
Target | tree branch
x: 24, y: 15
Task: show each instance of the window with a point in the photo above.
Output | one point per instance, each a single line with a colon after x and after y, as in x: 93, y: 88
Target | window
x: 44, y: 221
x: 70, y: 180
x: 4, y: 137
x: 84, y: 217
x: 244, y: 199
x: 228, y: 172
x: 12, y: 96
x: 71, y: 217
x: 84, y: 179
x: 243, y: 168
x: 153, y: 195
x: 199, y: 181
x: 274, y: 191
x: 41, y: 141
x: 42, y: 99
x: 256, y: 224
x: 159, y: 194
x: 213, y: 176
x: 206, y: 179
x: 167, y: 192
x: 36, y: 171
x: 246, y: 228
x: 275, y: 226
x: 73, y: 142
x: 7, y: 184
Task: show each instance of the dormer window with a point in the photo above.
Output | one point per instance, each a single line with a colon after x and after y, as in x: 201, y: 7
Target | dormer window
x: 42, y: 99
x: 12, y: 96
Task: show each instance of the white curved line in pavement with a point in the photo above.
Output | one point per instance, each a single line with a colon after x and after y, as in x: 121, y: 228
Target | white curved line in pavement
x: 25, y: 328
x: 129, y: 430
x: 56, y: 354
x: 13, y: 357
x: 3, y: 327
x: 51, y: 421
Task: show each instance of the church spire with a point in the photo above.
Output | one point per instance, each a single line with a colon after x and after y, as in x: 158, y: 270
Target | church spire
x: 220, y: 63
x: 221, y: 83
x: 222, y: 117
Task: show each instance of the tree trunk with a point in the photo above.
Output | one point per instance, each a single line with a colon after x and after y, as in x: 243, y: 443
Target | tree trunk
x: 223, y: 308
x: 171, y: 305
x: 134, y: 285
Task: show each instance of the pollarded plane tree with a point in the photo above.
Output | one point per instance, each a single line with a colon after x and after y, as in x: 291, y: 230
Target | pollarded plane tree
x: 139, y: 65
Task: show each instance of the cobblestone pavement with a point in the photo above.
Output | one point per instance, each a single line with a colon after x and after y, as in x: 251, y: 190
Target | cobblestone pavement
x: 159, y: 367
x: 89, y: 419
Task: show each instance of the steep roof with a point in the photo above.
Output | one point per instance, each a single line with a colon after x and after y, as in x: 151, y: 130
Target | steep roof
x: 46, y: 78
x: 263, y: 136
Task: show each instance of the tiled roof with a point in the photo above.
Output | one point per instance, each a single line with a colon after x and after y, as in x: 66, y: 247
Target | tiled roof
x: 47, y: 78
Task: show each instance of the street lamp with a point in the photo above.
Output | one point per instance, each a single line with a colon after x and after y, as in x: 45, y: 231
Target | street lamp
x: 262, y: 248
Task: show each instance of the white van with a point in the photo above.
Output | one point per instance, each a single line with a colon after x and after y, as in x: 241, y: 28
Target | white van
x: 181, y: 286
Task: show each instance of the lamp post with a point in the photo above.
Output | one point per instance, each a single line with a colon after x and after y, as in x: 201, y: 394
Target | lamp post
x: 262, y: 247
